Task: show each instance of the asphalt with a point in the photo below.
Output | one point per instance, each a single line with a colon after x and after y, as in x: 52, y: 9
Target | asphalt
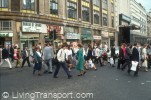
x: 107, y: 83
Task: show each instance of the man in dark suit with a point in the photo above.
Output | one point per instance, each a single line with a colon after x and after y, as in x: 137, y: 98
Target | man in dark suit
x: 113, y: 55
x: 135, y: 57
x: 25, y: 56
x: 121, y: 55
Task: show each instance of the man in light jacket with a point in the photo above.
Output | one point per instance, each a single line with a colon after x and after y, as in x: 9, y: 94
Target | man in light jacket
x: 48, y: 55
x: 61, y: 58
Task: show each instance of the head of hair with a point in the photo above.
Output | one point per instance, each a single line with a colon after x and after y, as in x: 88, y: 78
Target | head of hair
x: 79, y: 45
x: 135, y: 44
x: 64, y: 45
x: 37, y: 48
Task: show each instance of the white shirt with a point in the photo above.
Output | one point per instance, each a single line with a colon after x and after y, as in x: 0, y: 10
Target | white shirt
x: 61, y: 55
x: 38, y: 53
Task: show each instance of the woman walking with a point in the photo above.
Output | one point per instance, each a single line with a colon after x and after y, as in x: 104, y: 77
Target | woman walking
x: 145, y: 57
x: 18, y: 62
x: 37, y: 60
x: 80, y: 65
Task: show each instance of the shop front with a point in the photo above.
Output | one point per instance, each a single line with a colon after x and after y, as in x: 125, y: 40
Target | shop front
x: 112, y: 38
x: 32, y: 34
x: 97, y: 39
x: 86, y: 36
x: 6, y: 38
x: 105, y: 38
x: 138, y: 39
x: 72, y: 37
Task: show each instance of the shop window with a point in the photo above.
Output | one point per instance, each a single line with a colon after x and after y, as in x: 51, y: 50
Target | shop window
x: 105, y: 20
x: 4, y: 3
x: 96, y: 17
x: 5, y: 25
x: 29, y: 5
x: 104, y: 4
x: 54, y: 7
x: 72, y: 10
x: 96, y: 2
x: 85, y: 13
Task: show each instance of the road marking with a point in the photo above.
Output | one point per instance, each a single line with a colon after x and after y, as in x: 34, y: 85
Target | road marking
x: 129, y: 81
x: 116, y: 79
x: 142, y: 83
x: 148, y: 81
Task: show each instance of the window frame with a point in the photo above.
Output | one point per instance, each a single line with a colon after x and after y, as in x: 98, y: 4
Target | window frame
x: 5, y: 28
x: 31, y: 7
x: 103, y: 16
x: 73, y: 7
x: 87, y: 11
x: 2, y: 3
x: 55, y: 10
x: 96, y: 21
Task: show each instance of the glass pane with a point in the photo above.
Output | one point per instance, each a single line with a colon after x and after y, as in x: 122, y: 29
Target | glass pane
x: 4, y: 3
x: 33, y: 5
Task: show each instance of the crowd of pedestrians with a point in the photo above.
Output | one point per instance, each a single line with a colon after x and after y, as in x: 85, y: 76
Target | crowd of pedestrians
x: 77, y: 57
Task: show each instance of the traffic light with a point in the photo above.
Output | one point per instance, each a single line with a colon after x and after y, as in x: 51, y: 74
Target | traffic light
x: 53, y: 35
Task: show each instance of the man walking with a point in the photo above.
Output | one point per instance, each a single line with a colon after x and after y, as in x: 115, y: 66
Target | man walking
x: 5, y: 56
x: 61, y: 59
x: 25, y: 57
x: 48, y: 55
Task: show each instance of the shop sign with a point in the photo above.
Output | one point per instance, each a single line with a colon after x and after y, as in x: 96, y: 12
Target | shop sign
x: 95, y: 37
x: 57, y: 28
x: 34, y: 27
x: 105, y: 34
x: 6, y: 34
x: 86, y: 34
x: 73, y: 36
x: 111, y: 34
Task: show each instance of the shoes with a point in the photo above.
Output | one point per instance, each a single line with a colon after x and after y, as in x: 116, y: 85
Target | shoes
x: 79, y: 74
x: 70, y: 76
x: 10, y: 68
x: 39, y: 74
x: 95, y: 69
x: 146, y: 70
x: 50, y: 72
x: 34, y: 72
x: 55, y: 77
x: 84, y: 72
x: 136, y: 75
x: 45, y: 72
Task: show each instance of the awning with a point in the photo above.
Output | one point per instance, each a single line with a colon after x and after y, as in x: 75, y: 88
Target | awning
x: 132, y: 27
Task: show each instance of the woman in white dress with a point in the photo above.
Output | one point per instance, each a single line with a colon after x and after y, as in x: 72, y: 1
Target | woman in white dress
x: 145, y: 57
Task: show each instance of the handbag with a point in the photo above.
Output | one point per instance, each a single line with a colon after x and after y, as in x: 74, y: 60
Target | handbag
x: 111, y: 61
x: 134, y: 65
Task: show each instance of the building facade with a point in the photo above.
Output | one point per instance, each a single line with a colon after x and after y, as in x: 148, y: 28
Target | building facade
x: 138, y: 18
x: 131, y: 22
x: 28, y: 22
x: 149, y: 27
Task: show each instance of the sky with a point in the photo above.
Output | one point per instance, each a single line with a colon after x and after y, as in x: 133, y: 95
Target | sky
x: 146, y: 4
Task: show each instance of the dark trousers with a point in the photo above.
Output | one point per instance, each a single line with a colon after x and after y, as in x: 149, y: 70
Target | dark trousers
x: 98, y: 60
x: 136, y: 72
x: 12, y: 57
x: 64, y: 66
x: 120, y: 61
x: 24, y: 60
x: 127, y: 63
